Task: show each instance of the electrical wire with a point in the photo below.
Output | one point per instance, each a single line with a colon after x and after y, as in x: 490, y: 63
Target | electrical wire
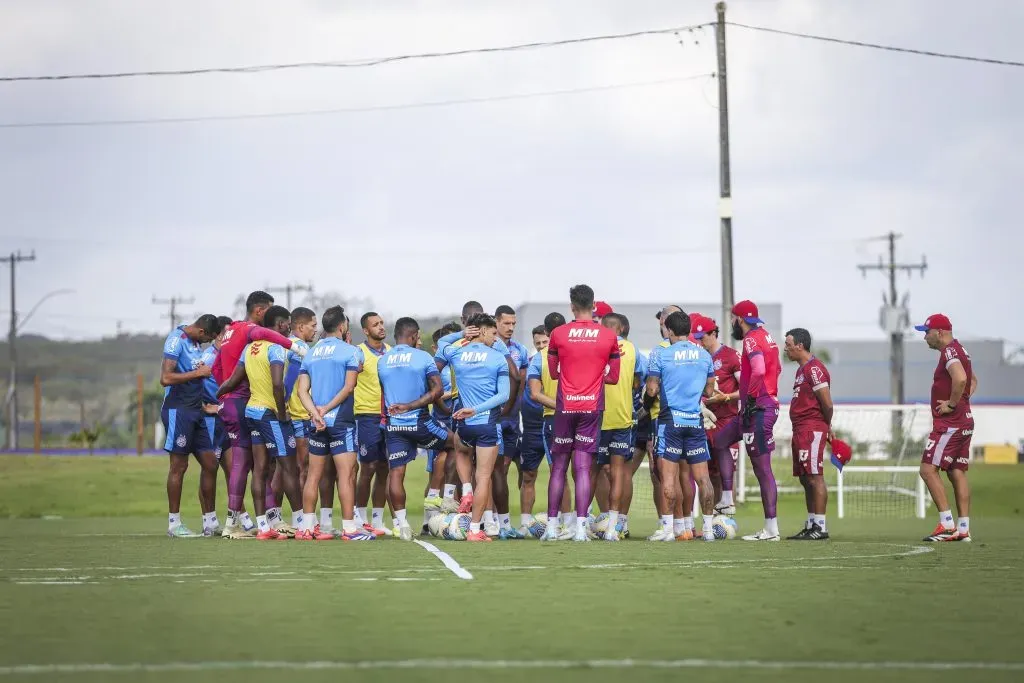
x: 878, y: 46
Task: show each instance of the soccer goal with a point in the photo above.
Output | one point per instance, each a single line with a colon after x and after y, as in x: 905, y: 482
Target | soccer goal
x: 879, y: 481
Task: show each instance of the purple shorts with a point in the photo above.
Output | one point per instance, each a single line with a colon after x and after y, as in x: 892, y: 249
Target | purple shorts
x: 576, y: 432
x: 232, y: 414
x: 758, y: 434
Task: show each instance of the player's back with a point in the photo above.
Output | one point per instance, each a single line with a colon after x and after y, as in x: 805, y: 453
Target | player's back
x: 582, y: 349
x: 403, y: 372
x: 327, y: 365
x: 538, y: 369
x: 684, y: 369
x: 291, y: 376
x: 187, y: 356
x: 258, y: 357
x: 478, y: 367
x: 521, y: 360
x: 618, y: 397
x: 942, y: 387
x: 760, y: 341
x: 232, y: 346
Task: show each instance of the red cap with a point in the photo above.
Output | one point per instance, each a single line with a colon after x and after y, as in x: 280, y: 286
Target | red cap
x: 841, y: 453
x: 701, y: 325
x: 601, y: 309
x: 936, y: 321
x: 748, y: 311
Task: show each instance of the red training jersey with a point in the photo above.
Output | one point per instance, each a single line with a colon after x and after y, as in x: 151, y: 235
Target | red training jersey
x: 237, y: 335
x: 805, y: 411
x: 727, y: 364
x: 759, y: 341
x: 578, y: 354
x: 942, y: 387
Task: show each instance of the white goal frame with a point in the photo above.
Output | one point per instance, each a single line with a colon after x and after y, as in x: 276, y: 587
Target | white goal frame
x: 920, y: 493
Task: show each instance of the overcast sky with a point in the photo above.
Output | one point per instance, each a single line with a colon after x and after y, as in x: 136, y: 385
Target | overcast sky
x: 512, y: 200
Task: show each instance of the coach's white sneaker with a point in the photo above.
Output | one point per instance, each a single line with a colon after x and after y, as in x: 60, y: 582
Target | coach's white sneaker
x: 762, y: 535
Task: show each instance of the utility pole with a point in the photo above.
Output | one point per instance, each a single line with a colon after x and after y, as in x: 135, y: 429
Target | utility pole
x: 173, y: 304
x: 894, y: 318
x: 724, y: 181
x: 288, y: 289
x: 12, y: 388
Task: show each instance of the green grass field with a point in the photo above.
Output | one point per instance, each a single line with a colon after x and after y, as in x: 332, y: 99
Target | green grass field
x: 103, y: 586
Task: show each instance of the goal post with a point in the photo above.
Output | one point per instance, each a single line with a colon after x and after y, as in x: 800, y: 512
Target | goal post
x: 881, y: 490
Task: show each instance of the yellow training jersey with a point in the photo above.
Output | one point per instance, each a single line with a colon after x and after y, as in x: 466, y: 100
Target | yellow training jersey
x: 656, y: 408
x: 291, y: 375
x: 258, y: 357
x: 367, y: 394
x: 548, y: 383
x: 618, y: 398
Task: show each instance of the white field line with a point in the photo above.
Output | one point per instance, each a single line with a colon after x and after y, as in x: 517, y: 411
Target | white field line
x: 446, y: 560
x: 499, y: 664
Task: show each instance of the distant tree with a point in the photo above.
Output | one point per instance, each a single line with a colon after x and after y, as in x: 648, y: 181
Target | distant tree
x: 152, y: 400
x: 87, y: 437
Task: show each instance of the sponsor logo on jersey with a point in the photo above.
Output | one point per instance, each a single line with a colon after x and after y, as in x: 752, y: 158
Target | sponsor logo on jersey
x: 577, y: 333
x: 581, y: 397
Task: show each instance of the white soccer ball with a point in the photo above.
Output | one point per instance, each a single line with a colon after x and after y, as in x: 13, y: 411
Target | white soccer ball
x: 538, y: 525
x: 437, y: 523
x: 599, y: 524
x: 724, y: 527
x: 458, y: 527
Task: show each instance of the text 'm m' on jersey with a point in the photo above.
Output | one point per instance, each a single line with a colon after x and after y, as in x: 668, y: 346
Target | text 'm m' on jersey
x: 684, y: 369
x: 581, y: 351
x: 404, y: 374
x: 479, y: 368
x: 328, y: 364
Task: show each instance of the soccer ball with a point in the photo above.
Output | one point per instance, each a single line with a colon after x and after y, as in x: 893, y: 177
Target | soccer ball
x: 724, y: 527
x: 437, y: 524
x: 538, y: 525
x: 598, y: 525
x: 457, y: 528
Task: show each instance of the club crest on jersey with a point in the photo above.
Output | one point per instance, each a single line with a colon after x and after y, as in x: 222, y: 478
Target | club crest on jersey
x: 291, y: 442
x: 718, y: 365
x: 181, y: 441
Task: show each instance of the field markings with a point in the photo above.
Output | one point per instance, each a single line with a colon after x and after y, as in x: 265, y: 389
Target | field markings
x: 499, y: 664
x: 446, y: 559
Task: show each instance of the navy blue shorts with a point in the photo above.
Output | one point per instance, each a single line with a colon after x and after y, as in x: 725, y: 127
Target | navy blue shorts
x: 218, y: 434
x: 682, y: 443
x: 270, y: 432
x: 404, y: 440
x: 480, y: 435
x: 337, y: 439
x: 510, y: 440
x: 531, y: 447
x: 446, y: 422
x: 186, y: 431
x: 370, y: 439
x: 617, y: 442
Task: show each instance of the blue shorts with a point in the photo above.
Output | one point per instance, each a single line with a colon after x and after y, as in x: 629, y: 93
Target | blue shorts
x: 510, y: 440
x: 218, y: 435
x: 531, y: 447
x: 617, y: 442
x: 299, y: 427
x: 682, y: 443
x: 480, y: 435
x: 268, y: 431
x: 370, y: 439
x: 446, y: 422
x: 547, y: 435
x: 404, y: 440
x: 337, y: 439
x: 186, y: 431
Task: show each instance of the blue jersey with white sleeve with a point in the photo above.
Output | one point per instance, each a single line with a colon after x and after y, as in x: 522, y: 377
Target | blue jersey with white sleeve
x: 482, y: 373
x: 684, y: 369
x: 404, y: 374
x: 328, y: 364
x: 187, y: 356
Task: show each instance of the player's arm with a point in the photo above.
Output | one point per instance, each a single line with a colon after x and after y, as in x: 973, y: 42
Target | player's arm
x: 651, y: 391
x: 441, y: 357
x: 538, y: 395
x: 258, y: 333
x: 823, y: 393
x: 168, y: 376
x: 974, y: 385
x: 277, y: 384
x: 515, y: 384
x: 432, y: 394
x: 614, y: 366
x: 351, y: 376
x: 553, y: 357
x: 232, y: 382
x: 502, y: 393
x: 302, y: 385
x: 959, y: 376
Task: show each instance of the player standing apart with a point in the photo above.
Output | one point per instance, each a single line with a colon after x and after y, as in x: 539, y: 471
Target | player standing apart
x: 759, y: 405
x: 811, y: 414
x: 582, y: 356
x: 182, y: 373
x: 483, y: 377
x: 373, y: 459
x: 410, y: 382
x: 724, y: 404
x: 325, y: 385
x: 681, y: 374
x: 949, y: 444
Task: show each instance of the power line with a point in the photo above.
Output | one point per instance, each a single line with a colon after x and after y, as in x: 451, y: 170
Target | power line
x: 355, y: 110
x: 356, y: 63
x: 173, y: 304
x: 878, y: 46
